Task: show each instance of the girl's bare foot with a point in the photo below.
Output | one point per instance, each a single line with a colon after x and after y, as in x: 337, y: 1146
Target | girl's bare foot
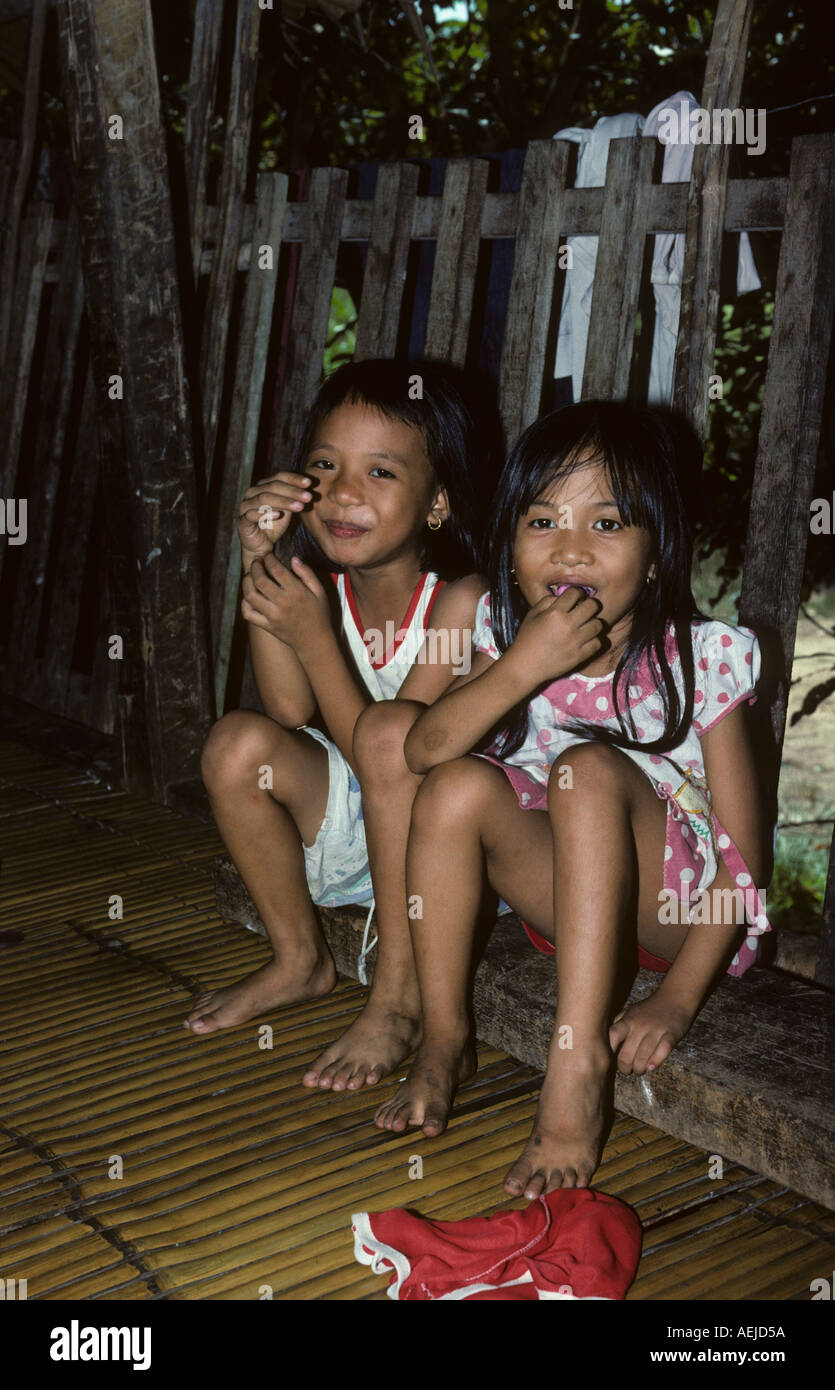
x: 426, y: 1096
x: 265, y: 989
x: 567, y: 1138
x: 373, y: 1046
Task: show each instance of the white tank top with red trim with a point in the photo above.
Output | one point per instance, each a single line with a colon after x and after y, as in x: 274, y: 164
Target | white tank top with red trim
x: 383, y: 659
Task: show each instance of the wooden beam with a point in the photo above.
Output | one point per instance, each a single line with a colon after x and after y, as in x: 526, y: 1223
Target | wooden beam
x: 541, y: 202
x: 53, y: 677
x: 250, y: 365
x: 45, y: 473
x: 706, y: 205
x: 135, y: 332
x: 617, y: 275
x: 456, y: 261
x: 202, y: 86
x: 231, y: 202
x: 790, y: 424
x: 26, y: 146
x: 34, y: 248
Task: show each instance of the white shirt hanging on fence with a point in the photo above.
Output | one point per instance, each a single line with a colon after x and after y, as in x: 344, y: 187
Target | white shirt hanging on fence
x: 667, y: 260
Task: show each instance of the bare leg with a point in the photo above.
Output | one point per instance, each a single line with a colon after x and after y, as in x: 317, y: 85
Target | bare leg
x: 388, y: 1028
x: 466, y: 815
x: 611, y: 806
x: 263, y: 829
x: 462, y: 808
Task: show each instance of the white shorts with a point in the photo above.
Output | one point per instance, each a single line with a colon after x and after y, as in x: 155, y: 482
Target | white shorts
x: 336, y: 864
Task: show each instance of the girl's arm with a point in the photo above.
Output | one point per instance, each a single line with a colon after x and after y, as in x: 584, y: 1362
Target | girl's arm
x: 556, y: 636
x: 448, y: 652
x: 732, y: 778
x: 286, y: 692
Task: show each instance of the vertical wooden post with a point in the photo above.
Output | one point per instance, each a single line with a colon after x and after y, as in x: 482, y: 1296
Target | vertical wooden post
x: 132, y: 295
x: 202, y: 85
x: 230, y: 216
x: 706, y: 217
x: 28, y: 125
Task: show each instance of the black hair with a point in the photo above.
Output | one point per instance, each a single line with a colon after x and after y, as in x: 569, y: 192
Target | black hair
x: 654, y: 461
x: 463, y: 442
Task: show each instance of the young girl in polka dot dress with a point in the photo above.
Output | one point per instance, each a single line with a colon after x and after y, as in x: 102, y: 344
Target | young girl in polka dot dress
x: 614, y: 780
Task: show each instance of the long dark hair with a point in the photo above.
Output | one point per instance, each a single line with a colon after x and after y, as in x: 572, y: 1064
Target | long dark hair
x: 654, y: 461
x: 459, y: 424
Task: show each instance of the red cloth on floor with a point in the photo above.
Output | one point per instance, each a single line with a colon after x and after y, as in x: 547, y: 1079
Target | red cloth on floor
x: 645, y: 958
x: 574, y: 1243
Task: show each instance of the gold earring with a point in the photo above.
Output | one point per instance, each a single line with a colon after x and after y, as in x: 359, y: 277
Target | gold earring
x: 515, y: 580
x: 437, y: 526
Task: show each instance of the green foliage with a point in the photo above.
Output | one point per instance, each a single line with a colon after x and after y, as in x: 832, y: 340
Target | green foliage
x: 795, y: 897
x: 342, y: 331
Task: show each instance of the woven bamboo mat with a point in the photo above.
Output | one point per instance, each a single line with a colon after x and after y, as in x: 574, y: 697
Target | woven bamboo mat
x: 140, y: 1162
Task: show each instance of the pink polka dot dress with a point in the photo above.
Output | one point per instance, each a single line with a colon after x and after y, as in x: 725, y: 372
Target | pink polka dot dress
x: 727, y: 667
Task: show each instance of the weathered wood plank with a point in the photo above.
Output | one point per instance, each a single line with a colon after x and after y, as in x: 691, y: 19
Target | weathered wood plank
x: 617, y: 274
x: 311, y: 307
x: 753, y: 205
x: 202, y: 86
x: 230, y: 203
x: 456, y: 259
x: 26, y: 144
x: 29, y: 277
x: 73, y: 539
x: 766, y: 1105
x: 541, y: 202
x: 790, y: 425
x: 825, y: 968
x: 385, y: 266
x: 135, y: 331
x: 250, y: 366
x: 45, y: 475
x: 706, y: 205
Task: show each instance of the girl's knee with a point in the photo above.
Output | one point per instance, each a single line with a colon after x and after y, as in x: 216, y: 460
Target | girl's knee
x: 379, y: 736
x: 241, y: 740
x: 587, y: 767
x: 452, y: 791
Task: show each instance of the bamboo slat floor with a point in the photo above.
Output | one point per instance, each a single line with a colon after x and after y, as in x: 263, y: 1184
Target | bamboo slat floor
x: 236, y: 1181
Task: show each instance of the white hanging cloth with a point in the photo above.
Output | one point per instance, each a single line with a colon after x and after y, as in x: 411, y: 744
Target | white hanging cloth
x: 667, y: 259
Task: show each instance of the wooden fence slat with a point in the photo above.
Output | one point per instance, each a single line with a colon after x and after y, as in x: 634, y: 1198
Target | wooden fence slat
x: 34, y: 249
x: 28, y: 128
x: 202, y: 86
x: 73, y: 540
x: 790, y: 424
x: 541, y: 203
x: 456, y: 259
x: 311, y: 307
x: 253, y: 345
x: 56, y: 388
x: 231, y: 201
x: 706, y: 206
x: 385, y: 266
x: 617, y: 274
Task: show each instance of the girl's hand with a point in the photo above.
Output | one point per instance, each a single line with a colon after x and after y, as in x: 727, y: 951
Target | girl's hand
x: 647, y: 1032
x: 266, y: 510
x: 289, y: 603
x: 557, y: 635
